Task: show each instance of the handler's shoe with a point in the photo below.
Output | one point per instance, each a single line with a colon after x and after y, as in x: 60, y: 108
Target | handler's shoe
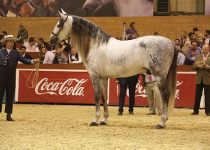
x: 131, y: 113
x: 120, y: 113
x: 9, y: 118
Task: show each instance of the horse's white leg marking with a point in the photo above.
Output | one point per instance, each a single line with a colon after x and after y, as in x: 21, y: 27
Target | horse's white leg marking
x: 97, y: 90
x: 104, y: 84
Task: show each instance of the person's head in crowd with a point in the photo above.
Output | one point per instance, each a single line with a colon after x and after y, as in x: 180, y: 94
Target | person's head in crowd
x: 207, y: 34
x: 156, y: 33
x: 21, y: 27
x: 195, y: 30
x: 194, y: 45
x: 4, y: 33
x: 177, y: 42
x: 205, y: 49
x: 32, y: 41
x: 193, y: 37
x: 67, y: 49
x: 9, y: 41
x: 22, y: 50
x: 73, y: 51
x: 132, y: 25
x: 200, y: 40
x: 58, y: 49
x: 40, y: 41
x: 63, y: 42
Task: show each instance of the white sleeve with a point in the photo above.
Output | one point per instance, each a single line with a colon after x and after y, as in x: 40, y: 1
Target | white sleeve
x: 78, y: 61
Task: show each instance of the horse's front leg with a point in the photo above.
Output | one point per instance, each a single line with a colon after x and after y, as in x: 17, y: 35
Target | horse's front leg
x: 104, y: 85
x: 97, y: 95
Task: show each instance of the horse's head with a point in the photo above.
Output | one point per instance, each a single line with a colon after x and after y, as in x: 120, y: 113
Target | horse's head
x: 91, y: 6
x: 62, y: 29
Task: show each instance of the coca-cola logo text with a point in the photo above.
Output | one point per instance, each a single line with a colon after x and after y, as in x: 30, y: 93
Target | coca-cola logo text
x: 71, y: 86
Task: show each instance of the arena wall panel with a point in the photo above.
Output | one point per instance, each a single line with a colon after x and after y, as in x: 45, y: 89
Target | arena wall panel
x: 169, y: 26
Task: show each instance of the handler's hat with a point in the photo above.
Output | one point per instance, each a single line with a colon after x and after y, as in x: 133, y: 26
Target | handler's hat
x: 8, y: 37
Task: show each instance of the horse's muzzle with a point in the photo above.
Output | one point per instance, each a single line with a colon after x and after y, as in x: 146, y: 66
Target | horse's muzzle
x: 53, y: 39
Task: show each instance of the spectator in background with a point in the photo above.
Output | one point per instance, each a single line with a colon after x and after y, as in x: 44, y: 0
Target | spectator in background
x: 41, y: 42
x: 60, y: 56
x: 49, y: 56
x: 22, y: 50
x: 202, y: 67
x: 153, y: 94
x: 207, y: 37
x: 193, y: 51
x: 74, y: 57
x: 187, y: 43
x: 22, y: 34
x: 31, y: 45
x: 181, y: 56
x: 200, y: 41
x: 131, y: 32
x: 156, y: 33
x: 4, y: 33
x: 128, y: 82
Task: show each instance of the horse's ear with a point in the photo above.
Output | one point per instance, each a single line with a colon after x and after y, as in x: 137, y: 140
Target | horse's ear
x: 63, y: 11
x: 62, y: 15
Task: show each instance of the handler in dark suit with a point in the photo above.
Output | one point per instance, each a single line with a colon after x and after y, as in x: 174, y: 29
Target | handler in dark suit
x: 202, y: 67
x: 130, y: 83
x: 9, y: 58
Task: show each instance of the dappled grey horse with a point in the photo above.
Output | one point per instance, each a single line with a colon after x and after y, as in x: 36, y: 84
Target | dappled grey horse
x: 105, y: 56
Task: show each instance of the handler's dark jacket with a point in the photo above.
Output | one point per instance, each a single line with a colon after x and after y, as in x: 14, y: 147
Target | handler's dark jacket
x: 202, y: 74
x: 8, y: 64
x: 11, y: 59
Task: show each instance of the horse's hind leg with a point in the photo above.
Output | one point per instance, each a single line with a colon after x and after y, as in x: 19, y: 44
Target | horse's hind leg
x: 97, y: 90
x: 165, y: 98
x: 104, y: 84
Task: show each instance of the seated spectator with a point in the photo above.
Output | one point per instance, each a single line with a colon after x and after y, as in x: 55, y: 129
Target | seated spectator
x: 181, y: 56
x: 41, y: 42
x: 22, y: 50
x: 74, y: 57
x: 31, y: 45
x: 193, y: 51
x: 22, y: 34
x: 200, y: 41
x: 60, y: 56
x: 207, y: 37
x: 48, y: 54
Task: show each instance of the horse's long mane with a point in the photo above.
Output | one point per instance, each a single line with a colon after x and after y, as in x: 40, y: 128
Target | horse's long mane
x: 84, y: 33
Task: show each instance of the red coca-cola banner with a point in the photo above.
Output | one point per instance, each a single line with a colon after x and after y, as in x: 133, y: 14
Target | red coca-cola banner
x: 55, y: 87
x: 74, y: 86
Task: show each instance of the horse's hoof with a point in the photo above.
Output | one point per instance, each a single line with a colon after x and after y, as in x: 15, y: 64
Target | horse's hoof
x: 103, y: 123
x: 159, y: 127
x: 93, y: 124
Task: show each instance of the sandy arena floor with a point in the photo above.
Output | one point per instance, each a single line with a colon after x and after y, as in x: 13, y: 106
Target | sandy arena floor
x: 58, y: 127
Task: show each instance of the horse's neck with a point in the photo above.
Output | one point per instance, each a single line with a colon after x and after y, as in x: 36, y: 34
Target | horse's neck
x: 133, y: 7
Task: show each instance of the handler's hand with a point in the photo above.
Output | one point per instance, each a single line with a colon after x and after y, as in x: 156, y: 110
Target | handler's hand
x: 36, y: 60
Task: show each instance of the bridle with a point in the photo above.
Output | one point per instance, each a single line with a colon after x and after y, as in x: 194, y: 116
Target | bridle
x: 60, y: 26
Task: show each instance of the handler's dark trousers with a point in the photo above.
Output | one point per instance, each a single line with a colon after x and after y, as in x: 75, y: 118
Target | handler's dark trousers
x: 7, y: 84
x: 198, y: 94
x: 130, y: 83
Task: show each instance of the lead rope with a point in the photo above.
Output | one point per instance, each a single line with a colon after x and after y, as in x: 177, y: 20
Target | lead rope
x: 34, y: 76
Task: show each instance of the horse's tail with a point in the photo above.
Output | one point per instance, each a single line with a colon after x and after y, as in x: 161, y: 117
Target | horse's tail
x: 171, y: 80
